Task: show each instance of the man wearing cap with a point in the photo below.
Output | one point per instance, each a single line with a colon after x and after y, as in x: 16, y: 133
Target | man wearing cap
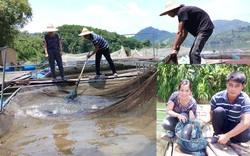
x: 101, y: 48
x: 53, y: 51
x: 193, y: 20
x: 230, y: 111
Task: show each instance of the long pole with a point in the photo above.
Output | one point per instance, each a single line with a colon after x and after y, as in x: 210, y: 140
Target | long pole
x: 2, y: 89
x: 153, y: 45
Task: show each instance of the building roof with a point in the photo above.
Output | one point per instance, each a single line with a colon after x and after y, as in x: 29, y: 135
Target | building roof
x: 2, y: 48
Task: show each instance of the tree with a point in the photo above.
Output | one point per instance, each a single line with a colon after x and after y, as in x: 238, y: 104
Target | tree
x: 14, y: 14
x: 146, y: 43
x: 29, y: 47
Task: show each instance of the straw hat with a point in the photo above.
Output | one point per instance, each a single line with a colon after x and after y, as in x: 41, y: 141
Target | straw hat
x: 85, y: 31
x: 50, y: 28
x: 170, y: 6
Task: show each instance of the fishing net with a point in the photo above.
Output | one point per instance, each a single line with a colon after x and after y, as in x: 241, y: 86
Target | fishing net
x: 6, y: 118
x: 9, y: 152
x: 6, y: 121
x: 195, y: 143
x: 72, y: 95
x: 122, y: 90
x: 136, y: 93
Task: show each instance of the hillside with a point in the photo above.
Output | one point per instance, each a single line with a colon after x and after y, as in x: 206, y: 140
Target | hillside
x: 224, y: 25
x: 159, y: 35
x: 233, y: 35
x: 235, y: 38
x: 225, y: 33
x: 71, y: 43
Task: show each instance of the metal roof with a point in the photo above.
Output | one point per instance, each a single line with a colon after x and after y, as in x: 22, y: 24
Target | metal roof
x: 2, y: 48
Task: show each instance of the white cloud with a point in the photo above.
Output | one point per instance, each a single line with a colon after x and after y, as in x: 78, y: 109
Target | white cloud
x: 125, y: 17
x: 133, y: 9
x: 120, y: 5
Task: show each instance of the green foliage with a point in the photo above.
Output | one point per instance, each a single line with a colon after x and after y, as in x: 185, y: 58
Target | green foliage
x: 14, y: 14
x: 74, y: 44
x: 236, y: 37
x: 30, y: 47
x: 146, y: 43
x: 206, y: 79
x: 226, y: 35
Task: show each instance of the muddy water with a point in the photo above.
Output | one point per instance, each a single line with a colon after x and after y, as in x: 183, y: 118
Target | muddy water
x: 46, y: 124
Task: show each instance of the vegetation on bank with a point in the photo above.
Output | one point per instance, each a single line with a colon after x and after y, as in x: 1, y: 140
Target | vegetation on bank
x: 206, y: 79
x: 15, y: 14
x: 30, y: 46
x: 74, y: 44
x: 227, y: 35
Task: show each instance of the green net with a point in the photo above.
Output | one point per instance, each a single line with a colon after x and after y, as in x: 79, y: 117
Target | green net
x: 190, y: 137
x: 72, y: 95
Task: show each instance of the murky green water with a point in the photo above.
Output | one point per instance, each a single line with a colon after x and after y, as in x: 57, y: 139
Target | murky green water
x: 46, y: 124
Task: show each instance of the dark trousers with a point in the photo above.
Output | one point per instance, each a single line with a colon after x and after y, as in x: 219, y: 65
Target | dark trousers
x: 170, y: 122
x: 197, y: 46
x: 222, y: 125
x: 106, y: 54
x: 54, y: 55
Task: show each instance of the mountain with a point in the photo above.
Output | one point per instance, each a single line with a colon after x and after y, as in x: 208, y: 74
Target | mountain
x: 225, y: 32
x: 158, y: 36
x: 235, y: 38
x: 151, y: 34
x: 225, y: 25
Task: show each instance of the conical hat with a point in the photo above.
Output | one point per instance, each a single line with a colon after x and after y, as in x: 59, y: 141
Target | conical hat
x: 85, y: 31
x: 170, y: 6
x: 50, y: 28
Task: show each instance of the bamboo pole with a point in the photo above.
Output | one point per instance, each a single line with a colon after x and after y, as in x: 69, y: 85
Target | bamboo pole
x: 4, y: 65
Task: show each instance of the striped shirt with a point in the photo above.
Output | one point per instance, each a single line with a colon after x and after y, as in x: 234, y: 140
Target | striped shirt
x: 97, y: 40
x: 178, y: 108
x: 234, y: 110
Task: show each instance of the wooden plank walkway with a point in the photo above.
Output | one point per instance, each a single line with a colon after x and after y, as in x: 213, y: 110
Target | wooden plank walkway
x: 215, y: 149
x: 15, y: 82
x: 17, y: 75
x: 86, y: 79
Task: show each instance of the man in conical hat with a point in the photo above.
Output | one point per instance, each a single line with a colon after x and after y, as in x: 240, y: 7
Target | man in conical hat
x: 53, y: 51
x: 101, y: 48
x: 192, y: 20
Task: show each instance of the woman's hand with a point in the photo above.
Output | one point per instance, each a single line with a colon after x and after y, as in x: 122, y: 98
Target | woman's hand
x: 182, y: 118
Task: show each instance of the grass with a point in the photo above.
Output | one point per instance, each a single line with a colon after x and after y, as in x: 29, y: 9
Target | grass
x: 161, y: 114
x: 161, y: 105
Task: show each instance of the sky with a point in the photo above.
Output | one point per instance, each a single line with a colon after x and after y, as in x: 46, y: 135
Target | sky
x: 126, y: 16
